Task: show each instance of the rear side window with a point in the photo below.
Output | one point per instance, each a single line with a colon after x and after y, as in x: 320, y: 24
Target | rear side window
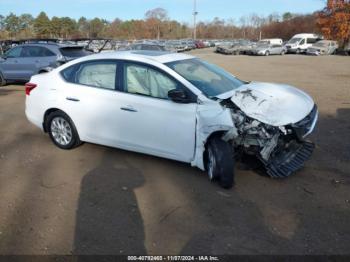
x: 73, y: 51
x: 101, y: 74
x: 36, y: 51
x: 311, y: 40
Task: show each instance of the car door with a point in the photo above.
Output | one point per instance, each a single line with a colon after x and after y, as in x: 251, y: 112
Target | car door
x: 151, y: 123
x: 277, y: 49
x: 90, y: 98
x: 11, y: 68
x: 302, y: 44
x: 35, y: 58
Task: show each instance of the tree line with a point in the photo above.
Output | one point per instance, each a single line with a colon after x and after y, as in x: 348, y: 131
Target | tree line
x: 333, y: 21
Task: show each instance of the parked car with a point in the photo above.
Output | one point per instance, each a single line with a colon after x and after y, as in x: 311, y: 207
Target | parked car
x: 324, y: 47
x: 173, y: 106
x: 235, y: 47
x: 268, y: 49
x: 199, y: 44
x: 301, y: 42
x: 271, y: 41
x: 347, y: 49
x: 23, y: 61
x: 146, y: 46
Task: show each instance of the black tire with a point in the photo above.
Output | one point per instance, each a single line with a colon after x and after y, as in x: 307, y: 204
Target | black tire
x: 2, y: 80
x: 267, y: 53
x: 298, y: 51
x: 72, y: 140
x: 220, y: 162
x: 283, y: 52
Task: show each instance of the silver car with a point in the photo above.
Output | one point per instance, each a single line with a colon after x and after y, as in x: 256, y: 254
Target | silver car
x: 23, y: 61
x: 268, y: 49
x: 324, y: 47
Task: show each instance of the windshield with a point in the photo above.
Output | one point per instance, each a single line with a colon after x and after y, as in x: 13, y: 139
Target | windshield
x: 263, y: 45
x: 208, y: 78
x: 294, y: 40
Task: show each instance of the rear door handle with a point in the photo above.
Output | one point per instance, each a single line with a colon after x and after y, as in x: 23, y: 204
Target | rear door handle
x: 72, y: 99
x: 129, y: 109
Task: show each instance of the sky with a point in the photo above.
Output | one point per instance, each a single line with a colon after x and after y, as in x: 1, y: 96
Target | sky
x: 180, y: 10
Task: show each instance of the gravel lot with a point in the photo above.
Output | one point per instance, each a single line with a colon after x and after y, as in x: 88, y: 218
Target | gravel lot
x: 99, y: 200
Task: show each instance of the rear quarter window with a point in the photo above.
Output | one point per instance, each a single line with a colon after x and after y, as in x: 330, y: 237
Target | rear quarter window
x: 74, y: 51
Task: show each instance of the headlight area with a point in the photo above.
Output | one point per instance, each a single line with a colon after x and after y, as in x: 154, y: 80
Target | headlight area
x: 282, y: 150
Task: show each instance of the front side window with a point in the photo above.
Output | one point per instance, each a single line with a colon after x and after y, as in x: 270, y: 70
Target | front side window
x: 208, y: 78
x: 302, y: 42
x: 14, y: 52
x: 294, y: 40
x: 146, y: 81
x: 101, y: 74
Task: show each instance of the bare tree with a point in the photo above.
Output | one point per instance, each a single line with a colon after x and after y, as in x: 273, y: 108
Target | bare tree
x: 156, y: 17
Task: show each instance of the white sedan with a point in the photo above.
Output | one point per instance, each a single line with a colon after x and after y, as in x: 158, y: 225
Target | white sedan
x: 173, y: 106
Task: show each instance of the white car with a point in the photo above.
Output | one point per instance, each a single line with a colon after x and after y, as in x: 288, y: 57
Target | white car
x: 173, y: 106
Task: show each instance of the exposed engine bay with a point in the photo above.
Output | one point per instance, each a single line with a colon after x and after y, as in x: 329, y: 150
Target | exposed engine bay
x: 282, y: 149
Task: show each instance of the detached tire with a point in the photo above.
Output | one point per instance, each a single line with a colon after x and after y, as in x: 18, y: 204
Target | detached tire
x: 220, y: 162
x: 62, y: 130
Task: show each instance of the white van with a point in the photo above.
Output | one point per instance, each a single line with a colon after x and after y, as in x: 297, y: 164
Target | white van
x: 301, y: 42
x: 272, y: 41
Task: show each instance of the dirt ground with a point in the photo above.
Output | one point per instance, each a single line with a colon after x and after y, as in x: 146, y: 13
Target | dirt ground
x: 99, y: 200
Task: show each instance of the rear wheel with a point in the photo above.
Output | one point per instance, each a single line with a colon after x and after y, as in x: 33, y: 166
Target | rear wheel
x: 220, y: 162
x: 2, y: 80
x: 283, y: 52
x: 62, y: 130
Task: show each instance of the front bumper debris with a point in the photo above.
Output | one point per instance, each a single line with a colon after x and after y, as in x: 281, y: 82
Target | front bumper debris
x: 289, y: 159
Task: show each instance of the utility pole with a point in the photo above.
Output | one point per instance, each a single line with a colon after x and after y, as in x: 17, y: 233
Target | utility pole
x: 195, y: 13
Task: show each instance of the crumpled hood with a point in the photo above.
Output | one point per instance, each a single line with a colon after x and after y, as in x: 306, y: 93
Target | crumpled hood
x: 273, y: 104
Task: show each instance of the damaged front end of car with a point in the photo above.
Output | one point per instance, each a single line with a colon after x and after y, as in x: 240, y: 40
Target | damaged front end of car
x: 282, y: 149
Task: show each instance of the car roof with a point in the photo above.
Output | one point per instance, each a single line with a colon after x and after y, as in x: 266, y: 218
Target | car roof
x: 152, y: 56
x: 59, y: 45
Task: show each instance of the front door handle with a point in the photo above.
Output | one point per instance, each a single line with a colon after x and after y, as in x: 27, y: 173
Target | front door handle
x: 72, y: 99
x: 129, y: 109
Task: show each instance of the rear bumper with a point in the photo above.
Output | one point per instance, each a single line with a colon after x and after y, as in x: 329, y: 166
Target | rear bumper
x: 289, y: 159
x: 33, y: 116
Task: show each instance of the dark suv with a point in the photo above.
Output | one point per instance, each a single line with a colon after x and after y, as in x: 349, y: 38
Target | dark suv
x: 21, y: 62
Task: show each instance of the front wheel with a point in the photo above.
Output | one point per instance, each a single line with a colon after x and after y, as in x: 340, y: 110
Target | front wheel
x: 62, y: 131
x: 220, y: 162
x: 267, y: 53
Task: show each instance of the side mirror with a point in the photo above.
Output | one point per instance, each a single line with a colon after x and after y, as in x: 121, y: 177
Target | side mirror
x: 178, y: 96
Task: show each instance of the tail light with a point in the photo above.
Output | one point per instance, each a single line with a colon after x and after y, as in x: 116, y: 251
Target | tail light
x: 29, y: 87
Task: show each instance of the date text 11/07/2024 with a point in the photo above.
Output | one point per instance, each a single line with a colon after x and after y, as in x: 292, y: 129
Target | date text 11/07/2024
x: 173, y: 258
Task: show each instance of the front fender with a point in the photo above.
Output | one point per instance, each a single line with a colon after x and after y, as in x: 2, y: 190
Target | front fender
x: 210, y: 119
